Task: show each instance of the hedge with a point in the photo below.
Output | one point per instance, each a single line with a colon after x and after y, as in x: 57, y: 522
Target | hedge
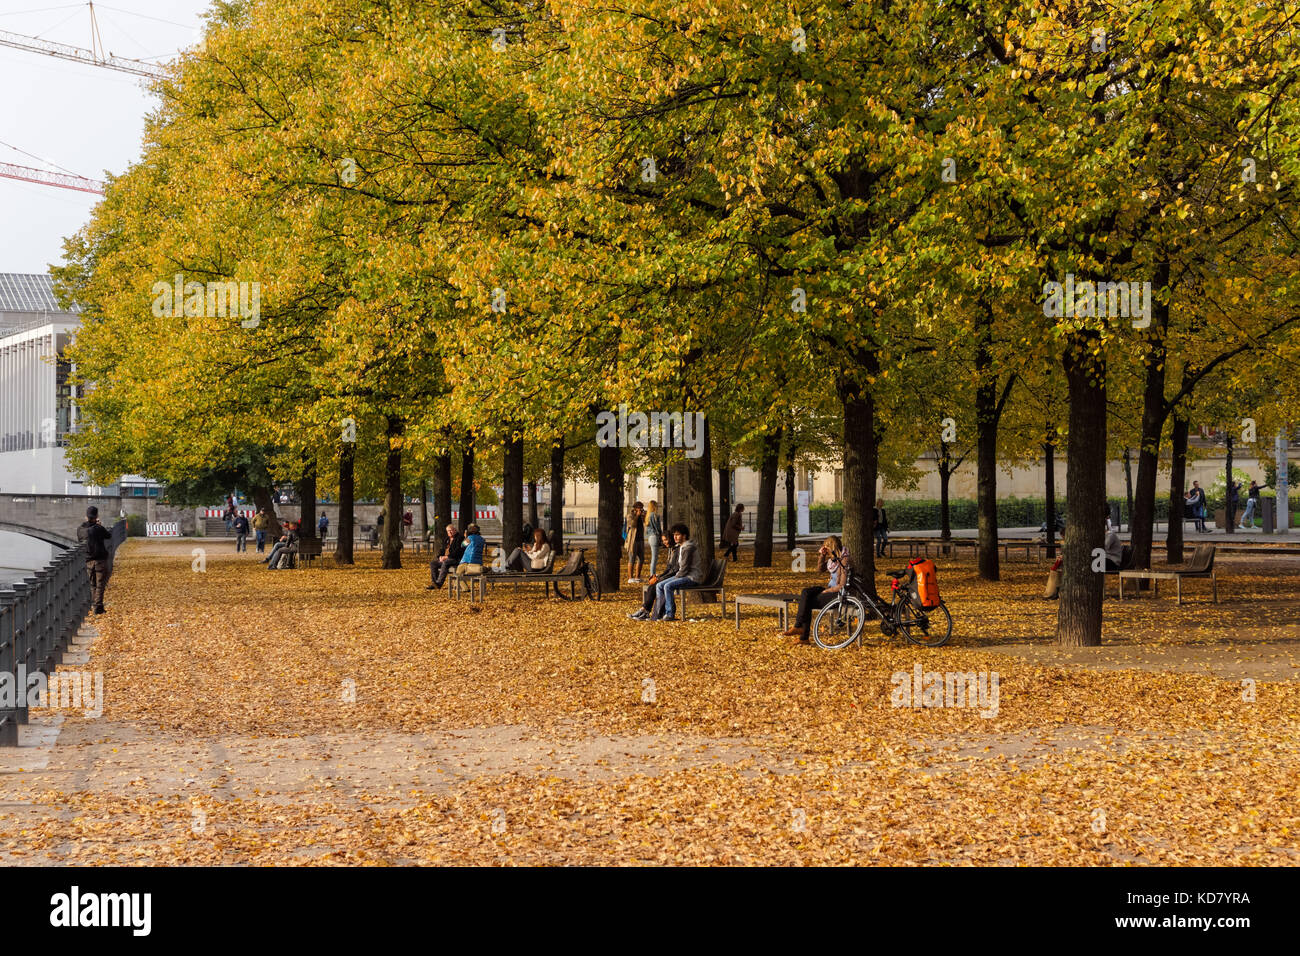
x: 963, y: 513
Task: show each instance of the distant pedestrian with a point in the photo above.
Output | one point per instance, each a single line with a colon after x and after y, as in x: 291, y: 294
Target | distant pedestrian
x: 261, y: 524
x: 880, y: 526
x: 731, y: 533
x: 1232, y: 498
x: 1196, y: 501
x: 635, y: 543
x: 322, y: 526
x: 1252, y: 503
x: 96, y: 539
x: 654, y: 534
x: 240, y: 526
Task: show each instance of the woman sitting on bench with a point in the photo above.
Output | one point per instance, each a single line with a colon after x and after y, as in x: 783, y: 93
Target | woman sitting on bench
x: 830, y: 557
x: 533, y: 556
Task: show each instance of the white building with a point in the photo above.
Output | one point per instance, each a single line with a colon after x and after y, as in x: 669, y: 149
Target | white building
x: 37, y: 401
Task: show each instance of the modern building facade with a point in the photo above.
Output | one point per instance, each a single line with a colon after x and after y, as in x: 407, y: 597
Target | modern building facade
x: 38, y: 407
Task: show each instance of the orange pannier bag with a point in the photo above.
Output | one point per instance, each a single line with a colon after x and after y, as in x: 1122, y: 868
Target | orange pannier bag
x: 925, y: 583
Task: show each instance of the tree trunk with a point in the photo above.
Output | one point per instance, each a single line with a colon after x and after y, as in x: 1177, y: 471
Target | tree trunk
x: 700, y: 475
x: 609, y: 518
x: 512, y: 494
x: 392, y: 542
x: 1154, y: 412
x: 986, y: 455
x: 1049, y: 466
x: 467, y: 483
x: 347, y: 502
x: 764, y: 520
x: 264, y: 501
x: 1177, y: 478
x: 945, y: 478
x: 724, y: 496
x: 1078, y: 622
x: 791, y: 526
x: 441, y: 494
x: 307, y: 499
x: 557, y: 495
x: 533, y: 520
x: 1128, y: 488
x: 861, y: 450
x: 1229, y: 505
x: 424, y: 509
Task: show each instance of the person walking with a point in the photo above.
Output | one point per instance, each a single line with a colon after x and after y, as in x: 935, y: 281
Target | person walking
x: 1197, y: 502
x: 241, y: 533
x: 1252, y: 503
x: 654, y: 535
x: 322, y: 526
x: 731, y: 533
x: 261, y: 524
x: 635, y: 543
x: 96, y: 539
x: 880, y: 523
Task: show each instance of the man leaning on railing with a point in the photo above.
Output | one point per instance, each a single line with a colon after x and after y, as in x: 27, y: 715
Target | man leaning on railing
x: 95, y: 537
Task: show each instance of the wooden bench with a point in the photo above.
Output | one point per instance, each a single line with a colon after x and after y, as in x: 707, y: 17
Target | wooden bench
x: 1201, y: 566
x: 781, y: 602
x: 309, y: 549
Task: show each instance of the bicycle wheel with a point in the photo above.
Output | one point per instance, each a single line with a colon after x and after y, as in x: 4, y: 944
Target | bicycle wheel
x: 839, y: 623
x: 930, y: 628
x: 591, y: 584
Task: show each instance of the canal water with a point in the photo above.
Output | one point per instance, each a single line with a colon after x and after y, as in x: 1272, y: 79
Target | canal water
x: 21, y: 555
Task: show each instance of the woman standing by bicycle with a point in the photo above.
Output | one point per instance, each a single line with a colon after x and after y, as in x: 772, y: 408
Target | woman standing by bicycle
x: 830, y: 557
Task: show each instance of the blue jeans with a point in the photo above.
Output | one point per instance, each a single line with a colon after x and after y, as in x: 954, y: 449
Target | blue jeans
x: 1250, y: 511
x: 261, y: 541
x: 654, y: 557
x: 664, y: 595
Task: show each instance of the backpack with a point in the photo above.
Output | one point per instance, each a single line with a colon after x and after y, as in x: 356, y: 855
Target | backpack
x: 924, y: 583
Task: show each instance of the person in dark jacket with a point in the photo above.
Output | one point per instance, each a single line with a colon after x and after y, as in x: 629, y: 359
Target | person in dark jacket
x: 731, y: 533
x: 240, y: 527
x: 96, y: 539
x: 286, y: 546
x: 649, y: 597
x: 690, y: 573
x: 880, y: 521
x: 453, y: 546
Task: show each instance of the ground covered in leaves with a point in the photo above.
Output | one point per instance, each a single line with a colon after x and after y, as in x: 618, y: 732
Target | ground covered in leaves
x: 349, y: 716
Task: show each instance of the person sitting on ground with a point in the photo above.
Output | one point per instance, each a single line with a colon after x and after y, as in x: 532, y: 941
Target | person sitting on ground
x: 690, y: 572
x: 453, y: 546
x: 471, y: 559
x: 533, y: 556
x: 830, y: 557
x: 650, y: 596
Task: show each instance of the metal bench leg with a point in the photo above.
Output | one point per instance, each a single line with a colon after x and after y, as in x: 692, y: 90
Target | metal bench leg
x: 1179, y: 583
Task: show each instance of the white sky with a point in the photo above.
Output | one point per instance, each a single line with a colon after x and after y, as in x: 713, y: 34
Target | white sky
x: 86, y: 119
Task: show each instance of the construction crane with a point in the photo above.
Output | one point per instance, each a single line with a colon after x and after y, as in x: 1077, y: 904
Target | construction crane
x: 28, y: 174
x: 96, y: 56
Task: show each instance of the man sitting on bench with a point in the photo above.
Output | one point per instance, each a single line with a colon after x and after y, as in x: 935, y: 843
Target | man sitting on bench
x: 690, y: 572
x: 649, y: 603
x: 453, y: 546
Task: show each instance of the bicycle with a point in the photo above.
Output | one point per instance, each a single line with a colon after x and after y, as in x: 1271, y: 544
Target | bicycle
x: 844, y: 620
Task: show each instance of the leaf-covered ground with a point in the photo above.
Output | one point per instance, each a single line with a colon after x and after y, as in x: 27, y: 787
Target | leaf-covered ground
x: 517, y: 732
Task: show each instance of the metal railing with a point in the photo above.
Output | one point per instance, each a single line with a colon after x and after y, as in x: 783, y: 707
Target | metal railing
x: 38, y: 617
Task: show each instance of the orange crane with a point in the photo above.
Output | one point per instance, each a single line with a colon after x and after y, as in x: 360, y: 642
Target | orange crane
x: 96, y: 56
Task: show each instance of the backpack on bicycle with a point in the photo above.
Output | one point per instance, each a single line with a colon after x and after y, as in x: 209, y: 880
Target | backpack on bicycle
x: 923, y: 583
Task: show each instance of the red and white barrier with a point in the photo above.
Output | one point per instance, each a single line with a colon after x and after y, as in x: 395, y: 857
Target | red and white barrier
x: 162, y: 529
x: 490, y: 513
x: 221, y: 512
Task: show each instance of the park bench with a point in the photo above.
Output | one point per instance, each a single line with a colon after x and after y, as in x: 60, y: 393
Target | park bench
x: 714, y: 583
x: 1125, y: 564
x: 307, y: 549
x: 781, y: 602
x: 1201, y: 566
x: 544, y: 576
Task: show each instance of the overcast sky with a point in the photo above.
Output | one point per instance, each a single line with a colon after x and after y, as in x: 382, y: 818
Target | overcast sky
x: 86, y: 119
